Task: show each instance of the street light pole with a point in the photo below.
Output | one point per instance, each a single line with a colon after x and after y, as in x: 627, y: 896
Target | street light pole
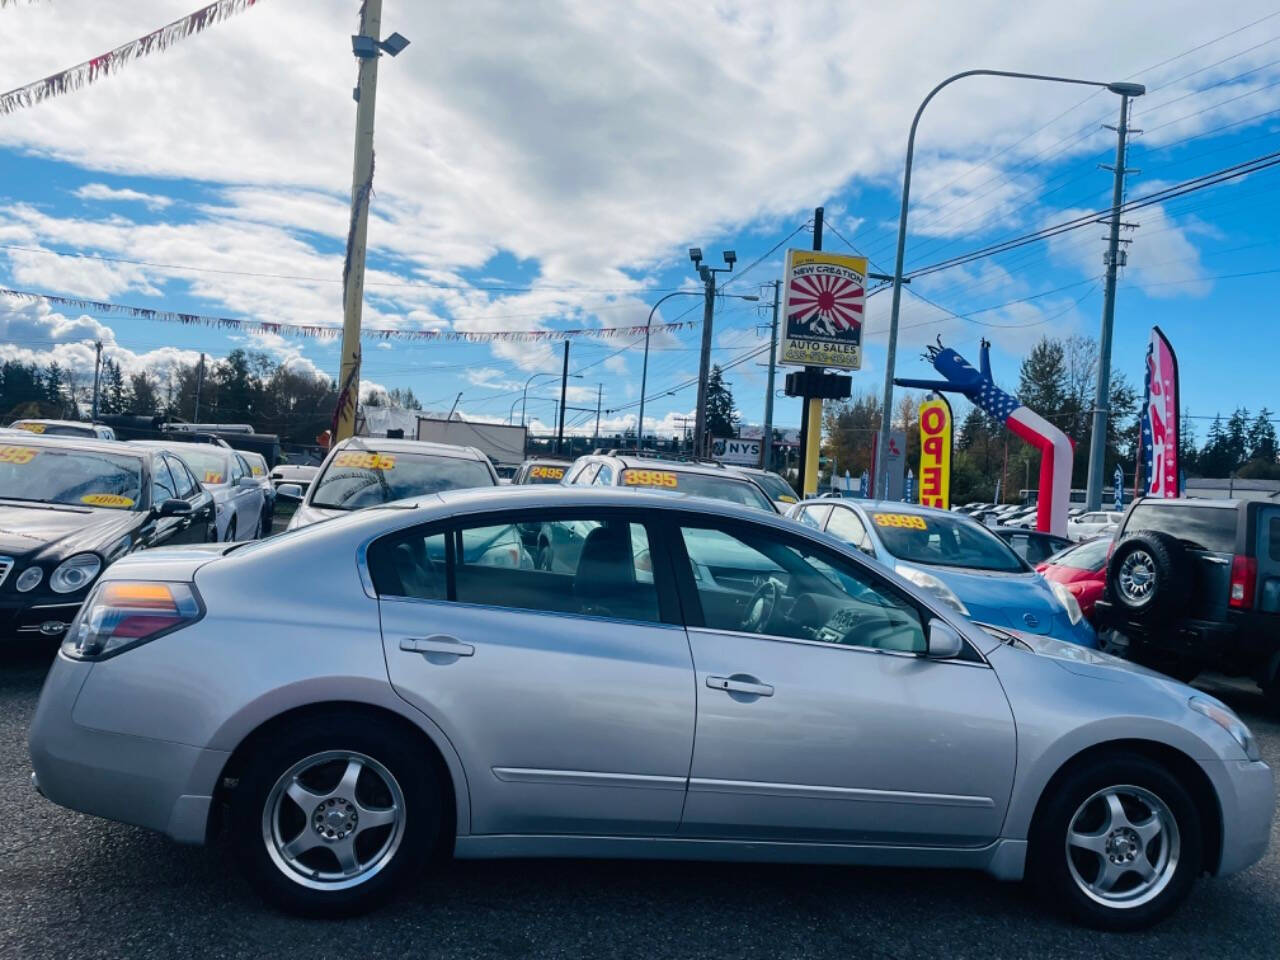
x: 524, y: 397
x: 886, y: 414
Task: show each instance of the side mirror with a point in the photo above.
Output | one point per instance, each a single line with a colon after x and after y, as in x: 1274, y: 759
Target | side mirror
x: 289, y: 491
x: 248, y: 480
x: 173, y: 507
x: 944, y: 641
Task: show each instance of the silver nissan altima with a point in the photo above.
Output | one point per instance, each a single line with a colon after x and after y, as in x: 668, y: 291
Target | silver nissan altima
x: 348, y: 699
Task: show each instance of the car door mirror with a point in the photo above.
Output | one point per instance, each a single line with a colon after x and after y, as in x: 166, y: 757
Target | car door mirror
x: 289, y: 491
x: 248, y: 480
x: 173, y: 507
x: 945, y: 642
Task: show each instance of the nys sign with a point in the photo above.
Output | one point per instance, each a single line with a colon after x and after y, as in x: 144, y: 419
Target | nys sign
x: 732, y: 450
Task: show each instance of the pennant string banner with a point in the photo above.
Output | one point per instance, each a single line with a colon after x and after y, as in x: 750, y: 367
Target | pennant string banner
x: 321, y: 332
x: 73, y: 78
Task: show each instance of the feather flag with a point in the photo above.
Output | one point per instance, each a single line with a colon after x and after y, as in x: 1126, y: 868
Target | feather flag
x: 73, y: 78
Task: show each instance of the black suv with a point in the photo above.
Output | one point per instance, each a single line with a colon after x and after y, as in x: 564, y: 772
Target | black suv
x: 1195, y: 585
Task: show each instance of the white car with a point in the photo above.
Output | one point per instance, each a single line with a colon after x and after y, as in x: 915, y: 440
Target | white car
x: 64, y: 428
x: 238, y: 497
x: 1098, y: 523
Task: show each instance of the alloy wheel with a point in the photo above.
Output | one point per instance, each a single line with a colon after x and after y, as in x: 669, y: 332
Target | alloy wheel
x: 1123, y: 846
x: 1137, y: 576
x: 333, y: 820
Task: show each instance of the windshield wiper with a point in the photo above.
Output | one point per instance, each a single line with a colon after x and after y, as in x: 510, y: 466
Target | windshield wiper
x: 32, y: 503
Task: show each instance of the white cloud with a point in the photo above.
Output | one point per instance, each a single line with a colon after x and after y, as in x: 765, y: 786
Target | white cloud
x: 100, y: 191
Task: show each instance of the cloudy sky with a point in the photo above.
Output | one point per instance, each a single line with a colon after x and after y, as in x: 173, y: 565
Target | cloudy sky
x: 545, y: 165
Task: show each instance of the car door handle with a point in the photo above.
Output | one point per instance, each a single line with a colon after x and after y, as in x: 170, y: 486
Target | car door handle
x: 438, y: 644
x: 740, y: 684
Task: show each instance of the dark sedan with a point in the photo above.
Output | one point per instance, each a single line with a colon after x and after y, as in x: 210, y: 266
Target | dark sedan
x: 69, y: 507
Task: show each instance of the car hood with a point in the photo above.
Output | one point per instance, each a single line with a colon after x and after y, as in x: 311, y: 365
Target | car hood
x: 1098, y: 665
x: 31, y: 531
x: 1022, y: 601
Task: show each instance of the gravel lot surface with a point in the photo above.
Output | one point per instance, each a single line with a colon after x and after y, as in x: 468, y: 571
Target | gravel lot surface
x: 75, y: 886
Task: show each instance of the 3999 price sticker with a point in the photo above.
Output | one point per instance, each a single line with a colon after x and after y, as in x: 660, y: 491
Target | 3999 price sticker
x: 905, y: 521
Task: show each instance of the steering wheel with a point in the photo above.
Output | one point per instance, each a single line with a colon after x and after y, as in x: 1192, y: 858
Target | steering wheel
x: 761, y: 605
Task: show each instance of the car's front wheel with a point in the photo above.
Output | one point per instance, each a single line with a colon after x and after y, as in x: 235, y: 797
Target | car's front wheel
x: 332, y: 814
x: 1118, y: 844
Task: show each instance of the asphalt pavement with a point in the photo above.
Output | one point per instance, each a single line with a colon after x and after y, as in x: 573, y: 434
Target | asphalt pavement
x: 75, y: 886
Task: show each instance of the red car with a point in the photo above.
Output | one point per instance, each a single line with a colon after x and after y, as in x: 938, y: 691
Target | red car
x: 1082, y: 569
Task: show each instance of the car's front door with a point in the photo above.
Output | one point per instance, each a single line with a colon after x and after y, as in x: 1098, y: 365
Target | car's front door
x: 162, y: 530
x: 818, y: 717
x: 198, y: 526
x: 247, y: 499
x: 568, y: 694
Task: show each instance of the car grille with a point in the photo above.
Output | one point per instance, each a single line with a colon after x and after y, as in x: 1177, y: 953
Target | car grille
x: 6, y: 564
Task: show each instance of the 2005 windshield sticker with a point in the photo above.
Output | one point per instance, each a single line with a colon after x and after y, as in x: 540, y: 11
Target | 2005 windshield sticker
x: 106, y: 500
x: 546, y: 473
x: 906, y: 521
x: 18, y: 455
x: 824, y: 302
x: 650, y: 478
x: 365, y: 461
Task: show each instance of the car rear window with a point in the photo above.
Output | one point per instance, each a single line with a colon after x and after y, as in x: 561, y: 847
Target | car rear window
x: 1200, y: 528
x: 716, y: 487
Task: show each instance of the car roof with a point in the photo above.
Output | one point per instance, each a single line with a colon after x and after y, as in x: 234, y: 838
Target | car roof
x: 428, y: 447
x: 885, y: 505
x: 1027, y: 530
x: 80, y: 443
x: 179, y: 446
x: 59, y: 423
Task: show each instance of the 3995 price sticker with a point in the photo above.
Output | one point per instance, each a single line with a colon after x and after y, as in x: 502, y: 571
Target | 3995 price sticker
x: 365, y: 461
x: 650, y: 478
x: 18, y: 454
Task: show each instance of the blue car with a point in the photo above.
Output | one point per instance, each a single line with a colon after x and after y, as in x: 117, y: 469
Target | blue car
x: 961, y: 561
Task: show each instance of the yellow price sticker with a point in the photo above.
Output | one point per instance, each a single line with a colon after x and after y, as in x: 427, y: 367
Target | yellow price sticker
x: 785, y: 499
x: 365, y: 461
x: 257, y: 471
x: 650, y: 478
x: 212, y: 476
x: 18, y: 454
x: 31, y: 427
x: 904, y: 521
x: 546, y: 473
x: 106, y: 500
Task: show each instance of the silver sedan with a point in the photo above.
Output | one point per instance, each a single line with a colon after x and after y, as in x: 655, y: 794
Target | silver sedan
x: 365, y: 692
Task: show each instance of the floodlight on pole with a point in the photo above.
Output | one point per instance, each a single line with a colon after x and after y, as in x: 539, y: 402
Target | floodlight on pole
x: 730, y: 257
x: 695, y: 254
x: 394, y: 44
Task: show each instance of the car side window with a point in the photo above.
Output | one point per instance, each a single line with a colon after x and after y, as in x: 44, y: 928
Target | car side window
x: 240, y: 467
x: 162, y: 488
x: 576, y: 565
x: 605, y: 477
x: 755, y: 581
x: 183, y: 483
x: 814, y: 516
x: 844, y: 523
x: 586, y: 474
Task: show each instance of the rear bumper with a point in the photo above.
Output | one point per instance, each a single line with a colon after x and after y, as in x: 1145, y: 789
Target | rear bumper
x: 1207, y: 641
x: 143, y: 781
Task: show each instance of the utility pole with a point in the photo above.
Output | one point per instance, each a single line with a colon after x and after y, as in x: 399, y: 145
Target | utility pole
x: 595, y: 440
x: 195, y: 414
x: 811, y: 408
x: 97, y: 370
x: 708, y: 275
x: 564, y: 388
x: 766, y: 441
x: 1114, y: 259
x: 456, y: 399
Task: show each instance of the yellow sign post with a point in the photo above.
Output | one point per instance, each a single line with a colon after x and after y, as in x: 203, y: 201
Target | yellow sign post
x: 935, y: 452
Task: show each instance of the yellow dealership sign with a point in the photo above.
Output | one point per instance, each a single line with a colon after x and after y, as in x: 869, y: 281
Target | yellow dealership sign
x: 823, y: 304
x: 935, y: 452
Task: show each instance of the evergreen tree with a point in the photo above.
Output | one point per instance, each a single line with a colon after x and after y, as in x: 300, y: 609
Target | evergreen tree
x: 143, y: 400
x: 1237, y: 442
x: 722, y: 418
x: 114, y: 395
x: 1214, y: 456
x: 1262, y: 438
x: 1042, y: 383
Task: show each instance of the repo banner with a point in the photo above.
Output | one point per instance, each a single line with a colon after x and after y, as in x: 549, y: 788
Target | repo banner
x: 935, y: 452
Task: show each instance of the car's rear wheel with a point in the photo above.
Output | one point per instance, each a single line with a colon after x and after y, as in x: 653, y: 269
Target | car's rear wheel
x: 332, y: 813
x: 1118, y: 844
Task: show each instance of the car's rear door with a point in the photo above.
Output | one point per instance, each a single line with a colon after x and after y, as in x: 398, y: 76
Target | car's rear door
x: 1268, y: 554
x: 821, y: 722
x: 568, y: 695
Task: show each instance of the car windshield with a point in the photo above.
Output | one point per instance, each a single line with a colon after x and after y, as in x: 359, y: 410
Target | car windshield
x: 715, y: 486
x: 257, y: 463
x: 545, y: 473
x: 942, y: 540
x: 364, y: 478
x: 775, y: 487
x: 47, y: 474
x: 1090, y: 555
x: 209, y: 465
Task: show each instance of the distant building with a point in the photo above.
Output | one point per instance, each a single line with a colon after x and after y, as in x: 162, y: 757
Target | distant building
x: 1231, y: 488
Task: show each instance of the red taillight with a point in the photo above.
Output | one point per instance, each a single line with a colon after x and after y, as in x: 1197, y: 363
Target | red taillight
x: 1244, y: 573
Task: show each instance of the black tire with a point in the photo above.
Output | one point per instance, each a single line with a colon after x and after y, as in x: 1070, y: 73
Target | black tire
x: 231, y: 531
x: 1050, y: 864
x: 253, y: 799
x: 1164, y: 564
